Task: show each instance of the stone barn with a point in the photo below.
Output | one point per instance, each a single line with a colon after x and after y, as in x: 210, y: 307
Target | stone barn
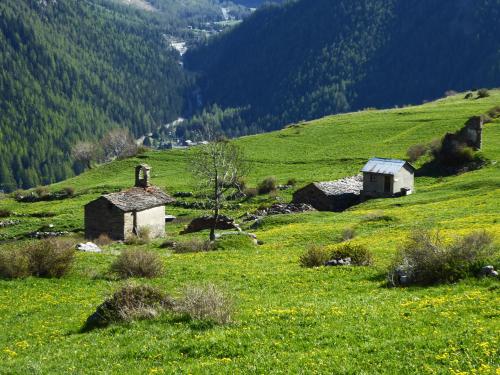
x: 121, y: 215
x: 387, y: 178
x: 331, y: 195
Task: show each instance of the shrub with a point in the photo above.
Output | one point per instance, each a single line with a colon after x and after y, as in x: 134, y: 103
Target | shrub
x: 315, y: 256
x: 42, y: 191
x: 194, y: 245
x: 426, y: 259
x: 142, y: 237
x: 5, y: 213
x: 494, y: 112
x: 348, y: 234
x: 103, y: 240
x: 206, y: 302
x: 168, y: 244
x: 69, y: 191
x: 469, y: 95
x: 13, y: 264
x: 267, y: 185
x: 360, y: 255
x: 377, y: 216
x: 50, y: 257
x: 128, y: 304
x: 415, y: 152
x: 483, y: 93
x: 292, y: 182
x: 137, y: 263
x: 250, y: 192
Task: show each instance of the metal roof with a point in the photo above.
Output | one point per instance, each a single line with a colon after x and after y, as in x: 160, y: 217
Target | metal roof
x: 385, y: 166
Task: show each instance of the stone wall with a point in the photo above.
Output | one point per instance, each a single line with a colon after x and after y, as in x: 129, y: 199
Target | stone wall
x: 101, y: 217
x: 154, y: 219
x: 470, y: 135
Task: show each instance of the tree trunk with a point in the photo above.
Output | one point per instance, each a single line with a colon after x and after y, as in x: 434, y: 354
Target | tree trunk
x: 216, y: 208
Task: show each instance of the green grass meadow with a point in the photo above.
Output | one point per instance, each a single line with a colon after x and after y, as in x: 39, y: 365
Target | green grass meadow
x: 288, y: 319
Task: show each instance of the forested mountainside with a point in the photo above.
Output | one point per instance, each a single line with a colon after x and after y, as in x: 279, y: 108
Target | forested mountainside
x: 310, y: 58
x: 71, y: 70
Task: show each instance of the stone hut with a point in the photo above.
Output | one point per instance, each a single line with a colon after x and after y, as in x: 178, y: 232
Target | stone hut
x: 121, y: 215
x: 387, y: 178
x: 332, y: 195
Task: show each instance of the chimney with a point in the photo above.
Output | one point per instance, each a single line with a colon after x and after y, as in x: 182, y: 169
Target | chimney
x: 142, y: 176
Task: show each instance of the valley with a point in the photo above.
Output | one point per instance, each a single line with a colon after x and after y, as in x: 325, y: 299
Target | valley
x: 287, y: 318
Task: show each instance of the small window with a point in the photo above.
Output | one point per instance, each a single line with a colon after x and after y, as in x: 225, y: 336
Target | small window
x: 373, y: 177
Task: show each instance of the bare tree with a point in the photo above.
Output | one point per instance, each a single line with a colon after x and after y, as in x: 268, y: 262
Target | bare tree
x: 218, y: 166
x: 118, y: 143
x: 85, y: 153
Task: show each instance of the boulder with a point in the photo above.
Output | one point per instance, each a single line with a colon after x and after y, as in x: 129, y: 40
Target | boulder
x: 489, y: 271
x: 339, y: 262
x: 206, y: 222
x: 88, y: 247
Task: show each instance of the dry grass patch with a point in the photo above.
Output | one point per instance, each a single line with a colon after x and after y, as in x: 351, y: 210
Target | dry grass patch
x: 137, y: 263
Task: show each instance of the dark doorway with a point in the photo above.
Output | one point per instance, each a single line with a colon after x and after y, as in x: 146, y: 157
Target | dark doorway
x: 387, y: 184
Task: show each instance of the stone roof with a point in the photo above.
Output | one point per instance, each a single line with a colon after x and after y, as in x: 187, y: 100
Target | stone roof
x: 139, y: 199
x: 385, y: 166
x: 348, y: 185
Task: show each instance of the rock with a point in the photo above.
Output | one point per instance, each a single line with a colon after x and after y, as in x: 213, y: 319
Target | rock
x: 279, y: 209
x: 403, y: 280
x: 42, y: 234
x: 206, y: 222
x: 339, y: 262
x: 8, y: 223
x: 489, y: 271
x: 88, y: 247
x: 169, y: 218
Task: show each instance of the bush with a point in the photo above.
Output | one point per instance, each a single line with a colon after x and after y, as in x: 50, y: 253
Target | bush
x: 5, y: 213
x: 69, y: 191
x: 415, y: 152
x: 292, y: 182
x: 494, y: 112
x: 13, y: 265
x: 42, y: 191
x: 50, y: 257
x: 483, y: 93
x: 193, y: 246
x: 426, y: 259
x: 103, y: 240
x: 267, y: 185
x: 250, y: 192
x: 206, y: 302
x: 360, y: 255
x: 377, y: 216
x: 315, y: 256
x: 137, y: 263
x: 128, y: 304
x: 142, y: 237
x: 469, y: 95
x: 348, y: 234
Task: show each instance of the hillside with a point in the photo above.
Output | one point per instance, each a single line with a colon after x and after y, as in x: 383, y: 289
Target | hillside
x: 72, y: 70
x: 312, y: 58
x: 288, y: 318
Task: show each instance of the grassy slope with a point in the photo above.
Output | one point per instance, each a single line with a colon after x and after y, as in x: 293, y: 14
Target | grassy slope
x: 289, y: 319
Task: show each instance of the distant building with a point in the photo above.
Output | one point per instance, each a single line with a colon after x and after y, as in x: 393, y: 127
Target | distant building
x: 387, y: 178
x: 331, y: 195
x: 121, y: 215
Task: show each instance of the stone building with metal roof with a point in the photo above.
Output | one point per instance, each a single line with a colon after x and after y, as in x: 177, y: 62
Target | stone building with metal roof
x: 123, y: 214
x: 387, y: 178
